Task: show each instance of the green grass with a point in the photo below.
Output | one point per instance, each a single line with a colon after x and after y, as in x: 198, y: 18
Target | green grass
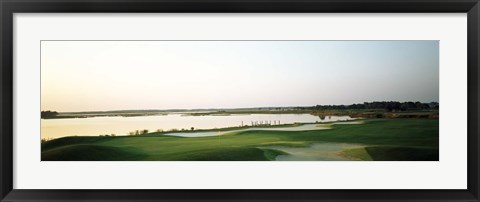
x: 402, y: 153
x: 271, y: 154
x: 79, y: 152
x: 357, y: 153
x: 385, y: 139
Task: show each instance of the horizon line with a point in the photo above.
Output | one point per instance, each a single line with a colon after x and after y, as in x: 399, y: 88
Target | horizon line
x: 231, y: 108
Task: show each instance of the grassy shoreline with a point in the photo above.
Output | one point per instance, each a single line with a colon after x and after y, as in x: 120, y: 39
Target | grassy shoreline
x: 385, y: 139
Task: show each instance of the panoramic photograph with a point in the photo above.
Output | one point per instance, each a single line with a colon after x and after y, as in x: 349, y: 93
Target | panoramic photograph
x: 239, y: 100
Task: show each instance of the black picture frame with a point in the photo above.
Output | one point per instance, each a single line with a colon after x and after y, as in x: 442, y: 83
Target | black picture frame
x: 9, y: 7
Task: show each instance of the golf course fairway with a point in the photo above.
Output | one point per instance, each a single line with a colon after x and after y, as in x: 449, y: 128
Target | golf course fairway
x: 410, y: 139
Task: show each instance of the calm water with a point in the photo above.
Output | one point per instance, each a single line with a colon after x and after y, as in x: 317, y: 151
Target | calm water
x: 94, y: 126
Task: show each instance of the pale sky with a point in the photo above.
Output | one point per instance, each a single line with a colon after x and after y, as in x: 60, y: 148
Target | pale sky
x: 124, y: 75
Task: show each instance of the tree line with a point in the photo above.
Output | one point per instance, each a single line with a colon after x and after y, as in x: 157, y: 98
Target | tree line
x: 386, y: 105
x: 48, y: 113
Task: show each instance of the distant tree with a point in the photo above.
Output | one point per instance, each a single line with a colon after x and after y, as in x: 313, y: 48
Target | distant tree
x: 48, y: 114
x: 411, y: 105
x: 433, y: 105
x: 419, y: 105
x: 377, y: 105
x: 389, y: 107
x: 192, y: 128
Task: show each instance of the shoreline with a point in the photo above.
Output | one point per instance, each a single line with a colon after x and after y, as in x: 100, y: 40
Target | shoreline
x: 224, y: 129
